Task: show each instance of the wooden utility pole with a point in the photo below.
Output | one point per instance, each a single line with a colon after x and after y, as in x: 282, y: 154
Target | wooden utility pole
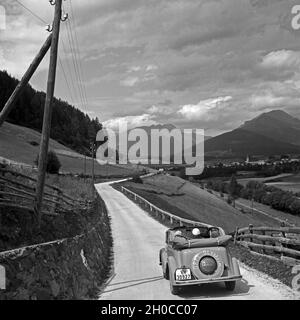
x: 42, y: 165
x: 24, y: 81
x: 93, y: 167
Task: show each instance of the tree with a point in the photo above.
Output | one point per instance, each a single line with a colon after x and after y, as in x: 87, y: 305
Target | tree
x: 53, y: 163
x: 295, y: 207
x: 234, y: 189
x: 70, y: 126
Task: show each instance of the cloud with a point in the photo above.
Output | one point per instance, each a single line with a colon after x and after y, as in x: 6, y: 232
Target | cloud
x: 267, y: 100
x: 205, y: 108
x: 281, y: 59
x: 129, y: 81
x: 130, y: 122
x: 134, y: 69
x: 138, y: 54
x: 160, y: 110
x: 151, y: 67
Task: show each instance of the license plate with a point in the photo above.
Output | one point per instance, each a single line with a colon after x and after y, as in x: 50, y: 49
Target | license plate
x: 183, y: 274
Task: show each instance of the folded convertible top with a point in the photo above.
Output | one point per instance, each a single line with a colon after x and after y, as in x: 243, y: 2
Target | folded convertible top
x: 180, y: 242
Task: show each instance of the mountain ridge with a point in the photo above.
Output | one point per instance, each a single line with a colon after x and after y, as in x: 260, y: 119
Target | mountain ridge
x: 276, y: 124
x: 274, y: 132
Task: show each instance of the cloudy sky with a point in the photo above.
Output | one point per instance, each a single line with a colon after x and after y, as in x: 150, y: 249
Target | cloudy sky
x: 208, y: 64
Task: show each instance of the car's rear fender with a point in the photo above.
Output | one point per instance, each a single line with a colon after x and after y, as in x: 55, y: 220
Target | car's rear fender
x: 172, y: 266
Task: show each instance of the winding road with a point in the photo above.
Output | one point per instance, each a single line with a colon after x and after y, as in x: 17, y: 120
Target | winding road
x: 137, y: 275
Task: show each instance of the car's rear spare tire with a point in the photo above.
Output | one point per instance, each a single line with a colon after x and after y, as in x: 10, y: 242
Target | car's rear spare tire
x: 230, y: 285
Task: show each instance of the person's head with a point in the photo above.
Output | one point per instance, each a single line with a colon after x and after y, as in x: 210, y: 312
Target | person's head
x: 214, y: 233
x: 177, y: 233
x: 196, y: 232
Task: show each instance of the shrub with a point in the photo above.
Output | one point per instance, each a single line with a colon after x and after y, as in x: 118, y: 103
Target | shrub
x: 295, y: 207
x: 53, y: 163
x: 137, y: 179
x: 34, y: 143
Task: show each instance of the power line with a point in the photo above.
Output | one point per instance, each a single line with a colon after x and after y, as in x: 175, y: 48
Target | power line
x: 74, y: 48
x: 29, y: 10
x: 60, y: 62
x: 75, y: 63
x: 66, y: 78
x: 73, y: 21
x: 70, y: 71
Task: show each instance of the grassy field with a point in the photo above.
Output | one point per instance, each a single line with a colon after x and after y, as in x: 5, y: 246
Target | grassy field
x: 263, y: 179
x: 260, y: 209
x: 288, y: 183
x: 184, y: 199
x: 285, y: 181
x: 16, y: 144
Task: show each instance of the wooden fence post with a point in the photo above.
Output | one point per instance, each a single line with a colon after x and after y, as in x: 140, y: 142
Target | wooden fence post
x: 263, y: 242
x: 284, y: 236
x: 235, y: 235
x: 54, y: 205
x: 251, y: 231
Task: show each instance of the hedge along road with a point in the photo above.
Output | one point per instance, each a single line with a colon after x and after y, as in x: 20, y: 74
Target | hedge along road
x: 137, y: 275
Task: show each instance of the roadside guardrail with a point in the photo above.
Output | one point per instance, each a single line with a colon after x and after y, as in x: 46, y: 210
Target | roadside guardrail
x: 279, y: 243
x: 173, y: 219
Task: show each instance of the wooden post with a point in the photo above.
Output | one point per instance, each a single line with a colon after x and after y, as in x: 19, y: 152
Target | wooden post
x: 235, y: 235
x: 42, y: 165
x: 284, y: 236
x: 24, y: 81
x: 251, y: 231
x: 263, y: 242
x: 93, y: 169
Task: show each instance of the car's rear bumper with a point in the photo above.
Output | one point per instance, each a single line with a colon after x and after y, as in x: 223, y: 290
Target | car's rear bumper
x: 210, y: 280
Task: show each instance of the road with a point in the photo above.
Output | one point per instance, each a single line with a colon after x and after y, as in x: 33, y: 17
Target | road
x: 137, y: 275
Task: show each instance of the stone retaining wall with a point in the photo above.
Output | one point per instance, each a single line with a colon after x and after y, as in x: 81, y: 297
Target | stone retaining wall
x: 71, y: 268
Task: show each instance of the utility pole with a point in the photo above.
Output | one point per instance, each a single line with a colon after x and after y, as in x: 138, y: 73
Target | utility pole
x: 42, y: 165
x: 84, y: 166
x: 24, y: 81
x: 93, y: 147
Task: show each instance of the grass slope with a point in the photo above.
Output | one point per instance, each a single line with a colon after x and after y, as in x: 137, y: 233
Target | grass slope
x: 184, y: 199
x: 15, y: 145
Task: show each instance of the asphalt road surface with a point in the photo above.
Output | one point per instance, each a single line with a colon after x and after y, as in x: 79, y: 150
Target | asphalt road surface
x: 137, y: 275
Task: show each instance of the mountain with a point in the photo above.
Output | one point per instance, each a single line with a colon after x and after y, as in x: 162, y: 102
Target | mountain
x: 160, y: 127
x: 240, y: 142
x: 275, y: 132
x: 277, y: 125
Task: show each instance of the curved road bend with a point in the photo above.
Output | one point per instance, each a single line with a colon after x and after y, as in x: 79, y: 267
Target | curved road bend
x: 137, y: 241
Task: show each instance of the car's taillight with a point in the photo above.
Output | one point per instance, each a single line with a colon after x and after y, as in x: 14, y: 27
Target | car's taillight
x: 208, y: 265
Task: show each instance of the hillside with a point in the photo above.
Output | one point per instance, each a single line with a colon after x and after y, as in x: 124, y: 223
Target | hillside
x: 21, y: 145
x: 164, y: 133
x: 277, y: 125
x: 70, y: 126
x: 241, y: 142
x: 184, y: 199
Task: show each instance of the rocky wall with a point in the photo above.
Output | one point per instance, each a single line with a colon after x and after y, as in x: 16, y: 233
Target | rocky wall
x: 71, y: 268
